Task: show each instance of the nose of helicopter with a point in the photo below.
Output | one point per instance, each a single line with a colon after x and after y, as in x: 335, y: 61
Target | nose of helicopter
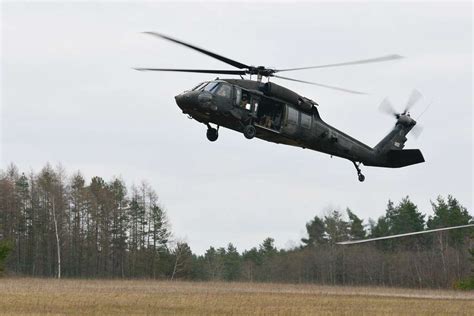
x: 193, y: 99
x: 183, y: 100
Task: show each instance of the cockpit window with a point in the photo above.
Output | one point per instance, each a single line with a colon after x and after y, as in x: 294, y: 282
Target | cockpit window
x: 210, y: 87
x: 224, y: 90
x: 200, y: 86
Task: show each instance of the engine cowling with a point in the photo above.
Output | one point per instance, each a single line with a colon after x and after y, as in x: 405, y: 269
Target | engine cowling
x: 273, y: 90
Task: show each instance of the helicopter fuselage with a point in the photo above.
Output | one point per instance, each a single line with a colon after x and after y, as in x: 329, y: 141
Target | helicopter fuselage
x: 279, y: 115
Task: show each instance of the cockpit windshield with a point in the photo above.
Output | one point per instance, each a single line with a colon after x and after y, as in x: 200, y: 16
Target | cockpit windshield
x: 200, y: 86
x: 211, y: 86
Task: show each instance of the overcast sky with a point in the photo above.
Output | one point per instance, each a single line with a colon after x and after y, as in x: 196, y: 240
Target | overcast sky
x: 70, y: 96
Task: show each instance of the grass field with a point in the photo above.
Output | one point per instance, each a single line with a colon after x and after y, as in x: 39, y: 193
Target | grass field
x: 46, y: 296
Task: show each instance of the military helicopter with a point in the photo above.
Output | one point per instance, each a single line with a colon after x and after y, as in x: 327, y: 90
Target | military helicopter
x: 276, y: 114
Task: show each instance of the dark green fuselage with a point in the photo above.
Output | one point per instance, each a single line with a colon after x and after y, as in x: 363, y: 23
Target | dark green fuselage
x: 284, y: 117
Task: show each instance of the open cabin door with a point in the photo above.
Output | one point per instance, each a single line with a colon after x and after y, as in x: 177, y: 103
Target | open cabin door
x: 270, y: 114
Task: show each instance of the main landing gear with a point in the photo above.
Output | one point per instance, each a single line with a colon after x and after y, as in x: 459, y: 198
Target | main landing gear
x: 359, y: 173
x: 212, y: 133
x: 249, y: 131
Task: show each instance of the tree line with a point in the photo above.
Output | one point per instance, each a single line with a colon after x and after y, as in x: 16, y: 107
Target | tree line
x: 57, y: 225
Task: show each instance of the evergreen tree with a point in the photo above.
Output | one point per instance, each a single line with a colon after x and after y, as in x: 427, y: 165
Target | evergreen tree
x: 267, y: 252
x: 5, y: 249
x: 183, y: 259
x: 159, y: 233
x: 267, y: 247
x: 405, y: 218
x: 447, y: 214
x: 119, y: 226
x: 252, y: 260
x: 316, y: 232
x: 336, y: 227
x: 213, y: 265
x: 380, y: 228
x: 231, y: 263
x: 78, y: 217
x: 356, y: 227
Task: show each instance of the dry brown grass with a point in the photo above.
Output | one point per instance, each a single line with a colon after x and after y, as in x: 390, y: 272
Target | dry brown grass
x: 46, y: 296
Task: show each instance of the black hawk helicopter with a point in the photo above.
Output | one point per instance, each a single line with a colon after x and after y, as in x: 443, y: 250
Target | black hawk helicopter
x: 276, y: 114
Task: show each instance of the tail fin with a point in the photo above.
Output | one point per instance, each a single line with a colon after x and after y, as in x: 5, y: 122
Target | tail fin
x: 390, y: 148
x: 395, y: 140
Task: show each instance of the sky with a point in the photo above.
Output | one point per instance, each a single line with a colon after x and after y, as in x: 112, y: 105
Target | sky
x: 69, y: 96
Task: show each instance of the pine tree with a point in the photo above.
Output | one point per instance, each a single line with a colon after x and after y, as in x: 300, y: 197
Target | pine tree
x: 231, y: 263
x: 5, y: 249
x: 252, y: 260
x: 405, y: 218
x: 214, y: 263
x: 267, y: 247
x: 159, y: 232
x: 183, y: 259
x: 316, y: 232
x: 336, y: 227
x: 447, y: 214
x: 356, y: 227
x: 119, y: 225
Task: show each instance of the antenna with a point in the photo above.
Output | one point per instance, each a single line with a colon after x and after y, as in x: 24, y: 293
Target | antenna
x: 426, y: 109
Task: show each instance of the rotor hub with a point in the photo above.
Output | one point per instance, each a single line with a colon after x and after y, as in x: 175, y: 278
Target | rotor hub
x: 261, y: 71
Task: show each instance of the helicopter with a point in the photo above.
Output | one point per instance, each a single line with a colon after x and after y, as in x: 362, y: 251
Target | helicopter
x: 277, y: 114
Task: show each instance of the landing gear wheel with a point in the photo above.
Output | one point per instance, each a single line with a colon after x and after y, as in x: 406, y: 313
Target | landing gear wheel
x: 212, y: 134
x: 249, y: 131
x: 359, y: 173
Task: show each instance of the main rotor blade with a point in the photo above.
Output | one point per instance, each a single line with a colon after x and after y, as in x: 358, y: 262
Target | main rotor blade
x: 402, y: 235
x: 206, y: 52
x: 387, y: 107
x: 415, y: 96
x: 321, y: 85
x: 356, y: 62
x: 205, y: 71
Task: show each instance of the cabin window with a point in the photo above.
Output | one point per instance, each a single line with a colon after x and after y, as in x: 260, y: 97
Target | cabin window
x: 305, y: 120
x: 255, y: 106
x: 292, y: 115
x: 224, y: 90
x: 269, y: 112
x: 238, y: 95
x: 245, y: 101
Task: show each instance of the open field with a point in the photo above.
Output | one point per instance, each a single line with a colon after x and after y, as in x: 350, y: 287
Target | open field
x: 46, y: 296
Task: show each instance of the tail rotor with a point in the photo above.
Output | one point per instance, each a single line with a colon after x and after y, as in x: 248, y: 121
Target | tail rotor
x: 387, y: 107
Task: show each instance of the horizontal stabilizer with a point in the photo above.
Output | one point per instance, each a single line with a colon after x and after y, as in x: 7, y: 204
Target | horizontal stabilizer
x: 406, y: 157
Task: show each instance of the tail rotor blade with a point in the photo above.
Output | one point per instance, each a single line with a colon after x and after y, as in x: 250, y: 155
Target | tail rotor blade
x: 417, y: 130
x: 387, y: 107
x: 415, y: 96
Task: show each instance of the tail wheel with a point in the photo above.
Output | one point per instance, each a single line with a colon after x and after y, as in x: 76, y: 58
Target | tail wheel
x: 359, y: 173
x: 249, y: 131
x: 212, y: 134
